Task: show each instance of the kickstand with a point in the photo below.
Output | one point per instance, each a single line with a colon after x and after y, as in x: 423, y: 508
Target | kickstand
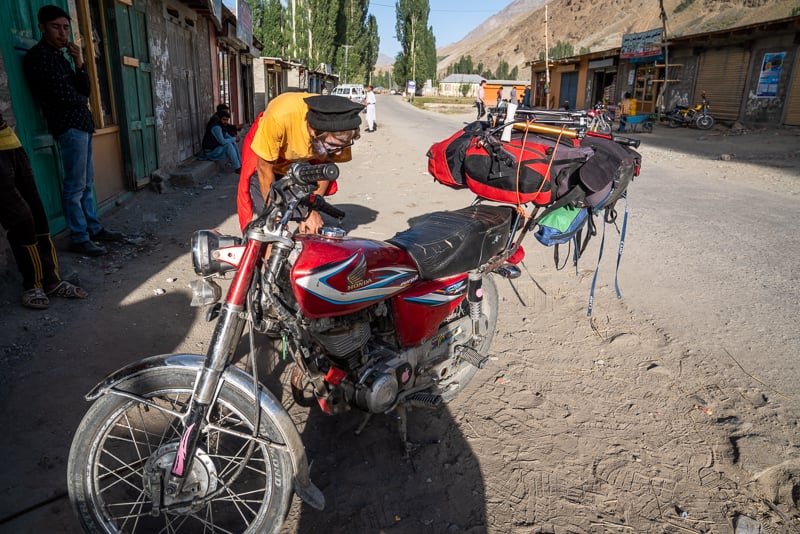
x: 363, y: 424
x: 409, y: 446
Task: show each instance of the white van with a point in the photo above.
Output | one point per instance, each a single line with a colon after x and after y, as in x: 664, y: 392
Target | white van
x: 354, y: 92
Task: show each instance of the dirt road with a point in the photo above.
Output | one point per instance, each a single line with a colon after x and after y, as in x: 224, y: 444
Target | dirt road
x: 671, y: 410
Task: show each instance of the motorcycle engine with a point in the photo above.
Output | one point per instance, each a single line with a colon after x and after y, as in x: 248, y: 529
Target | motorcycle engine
x: 375, y: 373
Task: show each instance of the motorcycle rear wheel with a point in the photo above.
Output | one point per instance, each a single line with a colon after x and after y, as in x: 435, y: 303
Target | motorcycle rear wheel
x: 461, y: 372
x: 231, y: 486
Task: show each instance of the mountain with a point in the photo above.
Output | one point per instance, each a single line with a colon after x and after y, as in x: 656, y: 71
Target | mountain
x: 384, y: 61
x: 517, y: 33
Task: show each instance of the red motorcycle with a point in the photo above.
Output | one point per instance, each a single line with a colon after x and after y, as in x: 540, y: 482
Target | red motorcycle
x: 191, y: 443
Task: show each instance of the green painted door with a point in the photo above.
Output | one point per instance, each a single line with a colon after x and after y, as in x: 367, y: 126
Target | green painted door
x: 19, y: 27
x: 131, y: 62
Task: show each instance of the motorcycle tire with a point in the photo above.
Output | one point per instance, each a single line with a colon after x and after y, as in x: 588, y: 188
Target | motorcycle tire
x: 604, y: 128
x: 675, y: 123
x: 461, y: 373
x: 704, y: 122
x: 235, y: 484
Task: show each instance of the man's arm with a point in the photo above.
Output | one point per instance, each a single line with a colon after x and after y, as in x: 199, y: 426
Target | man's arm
x: 266, y: 177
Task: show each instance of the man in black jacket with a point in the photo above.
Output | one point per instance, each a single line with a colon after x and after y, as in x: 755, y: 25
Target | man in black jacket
x: 63, y: 94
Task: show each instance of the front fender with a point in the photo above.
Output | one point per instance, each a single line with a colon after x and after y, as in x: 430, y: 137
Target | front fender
x: 242, y: 381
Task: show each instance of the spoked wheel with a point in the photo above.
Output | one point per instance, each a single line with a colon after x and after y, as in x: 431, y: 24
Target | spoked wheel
x: 124, y: 447
x: 705, y: 122
x: 457, y: 373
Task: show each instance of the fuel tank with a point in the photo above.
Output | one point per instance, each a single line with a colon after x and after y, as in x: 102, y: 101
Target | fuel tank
x: 340, y: 275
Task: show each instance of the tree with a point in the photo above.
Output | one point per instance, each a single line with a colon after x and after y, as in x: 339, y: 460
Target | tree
x: 268, y: 26
x: 354, y: 42
x: 417, y: 60
x: 321, y: 15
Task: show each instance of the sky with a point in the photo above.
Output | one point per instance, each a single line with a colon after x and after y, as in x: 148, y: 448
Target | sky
x: 451, y: 20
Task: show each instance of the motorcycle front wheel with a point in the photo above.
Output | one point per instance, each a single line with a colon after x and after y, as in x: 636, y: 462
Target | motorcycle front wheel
x: 124, y: 446
x: 704, y: 122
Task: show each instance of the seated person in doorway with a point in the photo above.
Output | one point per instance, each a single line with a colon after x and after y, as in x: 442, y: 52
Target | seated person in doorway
x: 625, y: 108
x: 219, y: 144
x: 231, y: 129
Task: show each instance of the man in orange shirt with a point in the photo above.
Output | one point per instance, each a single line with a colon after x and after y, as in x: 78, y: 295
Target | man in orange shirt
x: 294, y: 127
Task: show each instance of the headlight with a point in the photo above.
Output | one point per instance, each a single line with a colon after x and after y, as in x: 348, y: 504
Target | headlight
x: 213, y: 252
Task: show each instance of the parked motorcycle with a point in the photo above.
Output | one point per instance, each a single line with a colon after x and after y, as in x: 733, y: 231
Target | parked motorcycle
x: 599, y: 119
x: 191, y: 443
x: 697, y: 116
x: 185, y: 443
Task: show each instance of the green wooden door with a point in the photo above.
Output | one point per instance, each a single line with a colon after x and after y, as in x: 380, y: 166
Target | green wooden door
x: 19, y: 27
x: 131, y: 63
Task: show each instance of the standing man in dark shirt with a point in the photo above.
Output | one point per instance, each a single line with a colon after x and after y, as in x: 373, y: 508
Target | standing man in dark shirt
x: 63, y: 94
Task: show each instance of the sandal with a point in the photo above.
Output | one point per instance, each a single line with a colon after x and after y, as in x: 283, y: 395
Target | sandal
x: 66, y: 290
x: 35, y: 299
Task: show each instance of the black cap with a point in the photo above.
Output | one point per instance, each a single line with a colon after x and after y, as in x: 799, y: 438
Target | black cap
x: 49, y: 13
x: 331, y: 113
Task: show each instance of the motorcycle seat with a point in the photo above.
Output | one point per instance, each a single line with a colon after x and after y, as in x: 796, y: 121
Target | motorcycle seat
x: 447, y: 243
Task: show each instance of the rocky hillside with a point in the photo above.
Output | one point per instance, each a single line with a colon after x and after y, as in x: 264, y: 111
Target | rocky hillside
x: 517, y: 33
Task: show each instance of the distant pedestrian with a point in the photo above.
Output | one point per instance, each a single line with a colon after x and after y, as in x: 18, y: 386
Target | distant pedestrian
x: 479, y: 100
x: 499, y: 96
x: 370, y: 103
x: 526, y: 97
x: 63, y: 94
x: 512, y: 96
x: 23, y: 216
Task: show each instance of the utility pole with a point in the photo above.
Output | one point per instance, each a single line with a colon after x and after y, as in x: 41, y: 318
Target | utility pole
x: 663, y: 94
x: 346, y: 50
x: 546, y: 64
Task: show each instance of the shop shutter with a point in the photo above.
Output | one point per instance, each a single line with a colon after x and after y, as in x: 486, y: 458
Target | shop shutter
x: 722, y: 76
x: 793, y: 100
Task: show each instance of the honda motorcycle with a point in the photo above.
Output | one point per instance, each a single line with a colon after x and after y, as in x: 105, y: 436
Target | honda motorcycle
x: 697, y: 116
x: 192, y: 443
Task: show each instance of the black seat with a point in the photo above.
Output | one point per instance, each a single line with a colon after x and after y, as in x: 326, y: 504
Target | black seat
x: 447, y: 243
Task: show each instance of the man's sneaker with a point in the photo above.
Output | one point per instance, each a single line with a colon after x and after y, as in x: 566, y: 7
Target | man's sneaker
x: 87, y: 248
x: 107, y: 235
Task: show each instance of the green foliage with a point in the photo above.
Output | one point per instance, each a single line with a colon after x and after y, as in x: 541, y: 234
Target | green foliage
x: 584, y: 50
x: 795, y: 12
x: 465, y: 66
x: 268, y: 26
x: 464, y: 89
x: 336, y: 32
x: 417, y: 60
x: 683, y: 5
x: 560, y: 50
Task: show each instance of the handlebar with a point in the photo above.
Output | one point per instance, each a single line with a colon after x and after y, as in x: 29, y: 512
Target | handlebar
x: 307, y: 174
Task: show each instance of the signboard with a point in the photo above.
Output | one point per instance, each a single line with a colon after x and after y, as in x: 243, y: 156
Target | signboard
x: 642, y: 46
x: 411, y: 87
x: 244, y: 22
x: 770, y: 75
x: 216, y: 11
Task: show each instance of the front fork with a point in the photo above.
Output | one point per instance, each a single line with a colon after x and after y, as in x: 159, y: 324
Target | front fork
x: 227, y: 333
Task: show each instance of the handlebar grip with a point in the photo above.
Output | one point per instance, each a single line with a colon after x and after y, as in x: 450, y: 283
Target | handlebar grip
x: 317, y: 202
x: 627, y: 141
x: 311, y: 174
x: 336, y: 213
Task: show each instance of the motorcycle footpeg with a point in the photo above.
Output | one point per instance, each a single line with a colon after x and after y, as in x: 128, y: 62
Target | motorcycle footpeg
x: 508, y: 271
x: 472, y: 356
x: 424, y: 400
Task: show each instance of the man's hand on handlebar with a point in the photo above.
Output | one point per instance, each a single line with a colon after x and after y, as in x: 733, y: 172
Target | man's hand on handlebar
x: 311, y: 225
